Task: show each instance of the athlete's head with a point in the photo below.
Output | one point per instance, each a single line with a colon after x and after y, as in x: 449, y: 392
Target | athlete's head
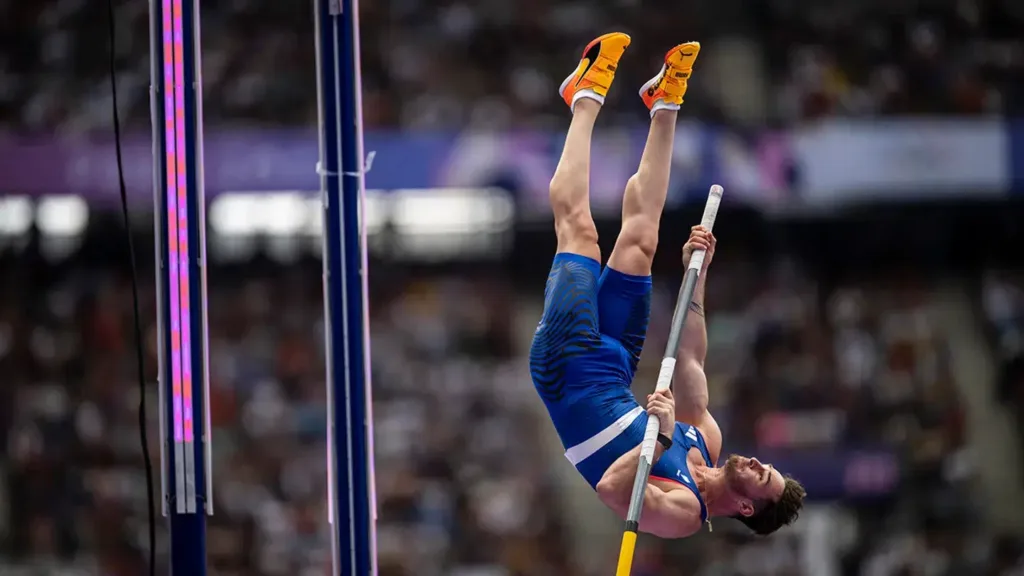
x: 762, y: 497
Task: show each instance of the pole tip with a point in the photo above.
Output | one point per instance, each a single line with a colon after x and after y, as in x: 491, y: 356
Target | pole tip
x: 716, y: 190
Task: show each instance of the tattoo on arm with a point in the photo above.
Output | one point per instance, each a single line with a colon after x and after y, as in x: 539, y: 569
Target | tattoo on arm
x: 697, y: 309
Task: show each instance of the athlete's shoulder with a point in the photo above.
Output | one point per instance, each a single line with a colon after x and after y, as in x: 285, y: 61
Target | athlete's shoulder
x: 709, y: 431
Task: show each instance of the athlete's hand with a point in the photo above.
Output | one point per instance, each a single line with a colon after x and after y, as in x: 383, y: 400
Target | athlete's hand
x: 700, y: 239
x: 663, y: 405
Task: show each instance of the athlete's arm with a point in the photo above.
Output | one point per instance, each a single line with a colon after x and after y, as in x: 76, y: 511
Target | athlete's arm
x: 691, y: 386
x: 616, y: 485
x: 690, y: 382
x: 668, y: 514
x: 617, y: 482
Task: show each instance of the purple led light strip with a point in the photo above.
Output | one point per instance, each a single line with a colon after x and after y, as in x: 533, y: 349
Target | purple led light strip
x: 177, y: 221
x: 183, y: 247
x: 172, y: 222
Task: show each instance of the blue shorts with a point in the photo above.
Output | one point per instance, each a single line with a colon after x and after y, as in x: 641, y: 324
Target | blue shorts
x: 587, y: 346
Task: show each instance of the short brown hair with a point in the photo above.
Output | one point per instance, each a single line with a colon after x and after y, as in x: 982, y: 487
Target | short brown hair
x: 770, y: 515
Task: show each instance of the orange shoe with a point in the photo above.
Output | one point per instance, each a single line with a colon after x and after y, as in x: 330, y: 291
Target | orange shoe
x: 666, y: 90
x: 596, y: 70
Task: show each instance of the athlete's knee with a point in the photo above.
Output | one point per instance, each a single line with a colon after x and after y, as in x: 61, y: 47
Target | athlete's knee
x: 574, y: 225
x: 575, y: 229
x: 568, y: 193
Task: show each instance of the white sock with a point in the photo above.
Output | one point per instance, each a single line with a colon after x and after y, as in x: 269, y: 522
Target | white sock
x: 662, y: 105
x: 587, y: 93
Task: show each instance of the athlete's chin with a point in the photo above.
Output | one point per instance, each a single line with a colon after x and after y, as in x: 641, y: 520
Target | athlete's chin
x: 732, y: 464
x: 732, y: 472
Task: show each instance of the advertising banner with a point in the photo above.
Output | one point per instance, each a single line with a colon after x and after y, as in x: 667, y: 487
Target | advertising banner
x: 844, y: 161
x: 521, y: 162
x: 830, y: 162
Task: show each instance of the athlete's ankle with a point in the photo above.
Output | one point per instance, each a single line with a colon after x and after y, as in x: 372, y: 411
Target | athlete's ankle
x: 664, y: 114
x: 586, y: 105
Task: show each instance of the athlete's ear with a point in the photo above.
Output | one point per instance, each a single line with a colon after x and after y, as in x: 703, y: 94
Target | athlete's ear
x: 746, y: 507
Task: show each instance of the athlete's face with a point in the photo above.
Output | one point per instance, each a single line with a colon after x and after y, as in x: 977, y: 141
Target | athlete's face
x: 751, y: 480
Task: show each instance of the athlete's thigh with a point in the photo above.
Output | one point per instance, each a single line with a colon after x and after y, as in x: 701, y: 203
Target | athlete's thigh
x: 568, y: 329
x: 624, y: 309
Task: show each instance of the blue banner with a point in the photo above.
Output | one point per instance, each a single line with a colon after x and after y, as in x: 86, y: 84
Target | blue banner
x: 830, y: 162
x: 815, y: 447
x: 1017, y: 154
x: 522, y: 162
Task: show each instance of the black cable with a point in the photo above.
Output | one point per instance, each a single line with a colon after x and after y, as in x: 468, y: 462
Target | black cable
x: 139, y: 354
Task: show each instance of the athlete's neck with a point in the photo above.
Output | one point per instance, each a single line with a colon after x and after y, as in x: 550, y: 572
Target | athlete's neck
x: 710, y: 483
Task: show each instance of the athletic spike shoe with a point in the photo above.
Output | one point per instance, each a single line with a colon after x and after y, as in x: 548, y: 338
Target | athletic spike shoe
x: 666, y: 90
x: 596, y: 70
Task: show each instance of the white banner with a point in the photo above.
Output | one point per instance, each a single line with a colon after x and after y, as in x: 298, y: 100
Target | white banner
x: 842, y: 161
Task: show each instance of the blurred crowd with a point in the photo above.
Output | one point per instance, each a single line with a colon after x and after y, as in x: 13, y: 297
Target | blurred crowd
x: 461, y: 488
x: 1002, y: 305
x: 458, y: 480
x: 486, y: 64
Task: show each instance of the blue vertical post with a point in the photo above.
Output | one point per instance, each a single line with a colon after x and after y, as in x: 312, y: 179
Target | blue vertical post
x: 341, y: 169
x: 179, y: 215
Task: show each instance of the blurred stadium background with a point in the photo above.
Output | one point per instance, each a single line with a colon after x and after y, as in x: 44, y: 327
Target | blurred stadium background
x: 866, y: 306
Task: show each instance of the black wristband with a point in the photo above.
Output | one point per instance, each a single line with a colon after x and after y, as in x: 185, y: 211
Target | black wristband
x: 664, y: 441
x: 697, y: 309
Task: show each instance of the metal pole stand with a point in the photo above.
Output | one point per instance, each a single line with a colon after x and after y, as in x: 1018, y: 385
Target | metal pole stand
x: 350, y: 466
x: 185, y: 455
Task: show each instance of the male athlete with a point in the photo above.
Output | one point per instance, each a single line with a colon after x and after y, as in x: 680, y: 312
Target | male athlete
x: 587, y: 345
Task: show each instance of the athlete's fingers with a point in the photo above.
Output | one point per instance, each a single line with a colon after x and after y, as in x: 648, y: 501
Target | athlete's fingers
x: 656, y: 399
x: 659, y: 399
x: 661, y: 411
x: 698, y: 242
x: 665, y: 414
x: 666, y: 393
x: 660, y: 408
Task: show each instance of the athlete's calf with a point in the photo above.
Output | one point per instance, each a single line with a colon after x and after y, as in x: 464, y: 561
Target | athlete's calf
x: 569, y: 192
x: 644, y: 199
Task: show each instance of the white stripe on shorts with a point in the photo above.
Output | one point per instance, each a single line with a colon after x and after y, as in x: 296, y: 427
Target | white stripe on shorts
x: 588, y: 447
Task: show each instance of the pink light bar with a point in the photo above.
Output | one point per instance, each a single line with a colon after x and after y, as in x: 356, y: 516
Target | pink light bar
x: 177, y: 220
x: 183, y: 247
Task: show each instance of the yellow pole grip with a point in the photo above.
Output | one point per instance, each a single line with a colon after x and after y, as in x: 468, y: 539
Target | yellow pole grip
x: 626, y: 553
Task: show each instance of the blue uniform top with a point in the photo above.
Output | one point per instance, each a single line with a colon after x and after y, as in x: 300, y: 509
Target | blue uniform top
x: 671, y: 467
x: 672, y: 464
